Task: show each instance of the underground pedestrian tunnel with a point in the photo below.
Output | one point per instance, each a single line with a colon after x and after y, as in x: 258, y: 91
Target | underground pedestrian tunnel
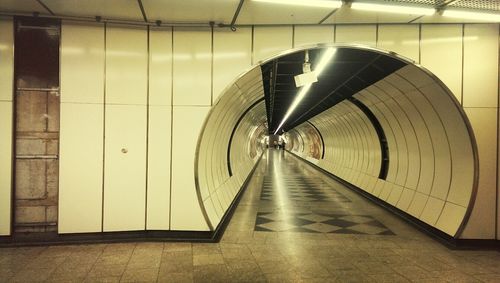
x: 374, y: 120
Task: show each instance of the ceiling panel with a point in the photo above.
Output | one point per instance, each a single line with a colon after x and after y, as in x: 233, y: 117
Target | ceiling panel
x: 267, y: 13
x: 350, y: 71
x: 191, y: 11
x: 24, y: 6
x: 108, y: 9
x: 346, y: 15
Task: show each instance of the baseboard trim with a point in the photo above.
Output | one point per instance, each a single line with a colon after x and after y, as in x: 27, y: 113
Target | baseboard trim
x: 440, y: 236
x: 53, y: 238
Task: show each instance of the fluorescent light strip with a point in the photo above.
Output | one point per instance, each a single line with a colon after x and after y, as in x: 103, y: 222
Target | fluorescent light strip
x: 480, y: 16
x: 309, y: 3
x: 327, y: 56
x: 397, y: 9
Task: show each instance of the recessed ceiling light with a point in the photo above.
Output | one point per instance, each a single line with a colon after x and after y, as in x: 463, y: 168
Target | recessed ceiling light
x: 325, y: 59
x: 481, y: 16
x: 389, y: 8
x: 309, y: 3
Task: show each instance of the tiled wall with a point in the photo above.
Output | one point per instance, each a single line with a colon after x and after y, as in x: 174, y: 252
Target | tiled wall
x: 175, y: 78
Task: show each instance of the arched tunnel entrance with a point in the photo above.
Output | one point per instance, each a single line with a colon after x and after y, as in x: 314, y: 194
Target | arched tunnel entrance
x: 373, y: 119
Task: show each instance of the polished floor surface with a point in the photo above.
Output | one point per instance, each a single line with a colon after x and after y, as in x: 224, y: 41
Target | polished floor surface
x: 293, y: 224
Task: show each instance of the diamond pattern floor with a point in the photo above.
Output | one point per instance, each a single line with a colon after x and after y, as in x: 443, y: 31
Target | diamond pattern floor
x: 290, y: 202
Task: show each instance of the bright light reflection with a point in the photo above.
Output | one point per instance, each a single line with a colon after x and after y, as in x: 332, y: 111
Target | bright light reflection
x: 396, y: 9
x: 327, y: 56
x: 279, y: 187
x: 309, y: 3
x: 441, y: 40
x: 480, y: 16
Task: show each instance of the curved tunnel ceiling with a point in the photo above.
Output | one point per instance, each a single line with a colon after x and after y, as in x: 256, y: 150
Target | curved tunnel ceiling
x: 348, y: 72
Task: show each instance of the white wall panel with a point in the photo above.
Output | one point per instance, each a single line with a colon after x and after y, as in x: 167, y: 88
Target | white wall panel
x: 192, y: 67
x: 441, y: 53
x: 482, y: 220
x: 186, y: 211
x: 82, y: 63
x: 356, y: 34
x: 126, y: 65
x: 480, y: 71
x: 270, y: 41
x: 7, y: 59
x: 160, y: 67
x: 5, y: 166
x: 80, y: 168
x: 6, y: 92
x: 158, y: 194
x: 306, y: 35
x: 124, y: 168
x: 402, y: 39
x: 232, y: 56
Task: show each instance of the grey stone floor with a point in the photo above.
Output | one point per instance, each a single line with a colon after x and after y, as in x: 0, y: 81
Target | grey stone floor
x: 280, y: 255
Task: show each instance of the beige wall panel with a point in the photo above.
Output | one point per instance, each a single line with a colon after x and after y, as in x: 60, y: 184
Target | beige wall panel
x: 417, y: 204
x: 211, y: 210
x: 126, y: 65
x: 7, y: 59
x: 450, y: 218
x: 5, y: 166
x: 378, y: 187
x: 441, y: 141
x: 82, y: 63
x: 160, y: 67
x: 441, y: 53
x: 307, y: 35
x: 158, y: 195
x: 270, y: 41
x: 80, y: 168
x: 432, y: 210
x: 192, y: 66
x: 124, y: 168
x: 358, y: 34
x: 185, y: 209
x: 402, y: 39
x: 481, y: 224
x: 412, y: 150
x: 386, y: 191
x: 405, y: 200
x: 427, y: 140
x: 480, y: 65
x: 395, y: 195
x: 232, y: 56
x: 6, y: 92
x: 411, y: 77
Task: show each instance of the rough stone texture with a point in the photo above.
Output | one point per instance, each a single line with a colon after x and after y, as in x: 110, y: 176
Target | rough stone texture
x: 52, y: 146
x: 52, y: 179
x: 52, y: 213
x: 31, y: 111
x: 37, y: 134
x: 53, y: 113
x: 25, y: 146
x: 30, y: 214
x: 30, y: 179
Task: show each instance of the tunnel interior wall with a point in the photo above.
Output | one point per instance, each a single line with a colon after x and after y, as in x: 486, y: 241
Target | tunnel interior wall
x: 183, y: 71
x: 230, y: 146
x: 431, y: 172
